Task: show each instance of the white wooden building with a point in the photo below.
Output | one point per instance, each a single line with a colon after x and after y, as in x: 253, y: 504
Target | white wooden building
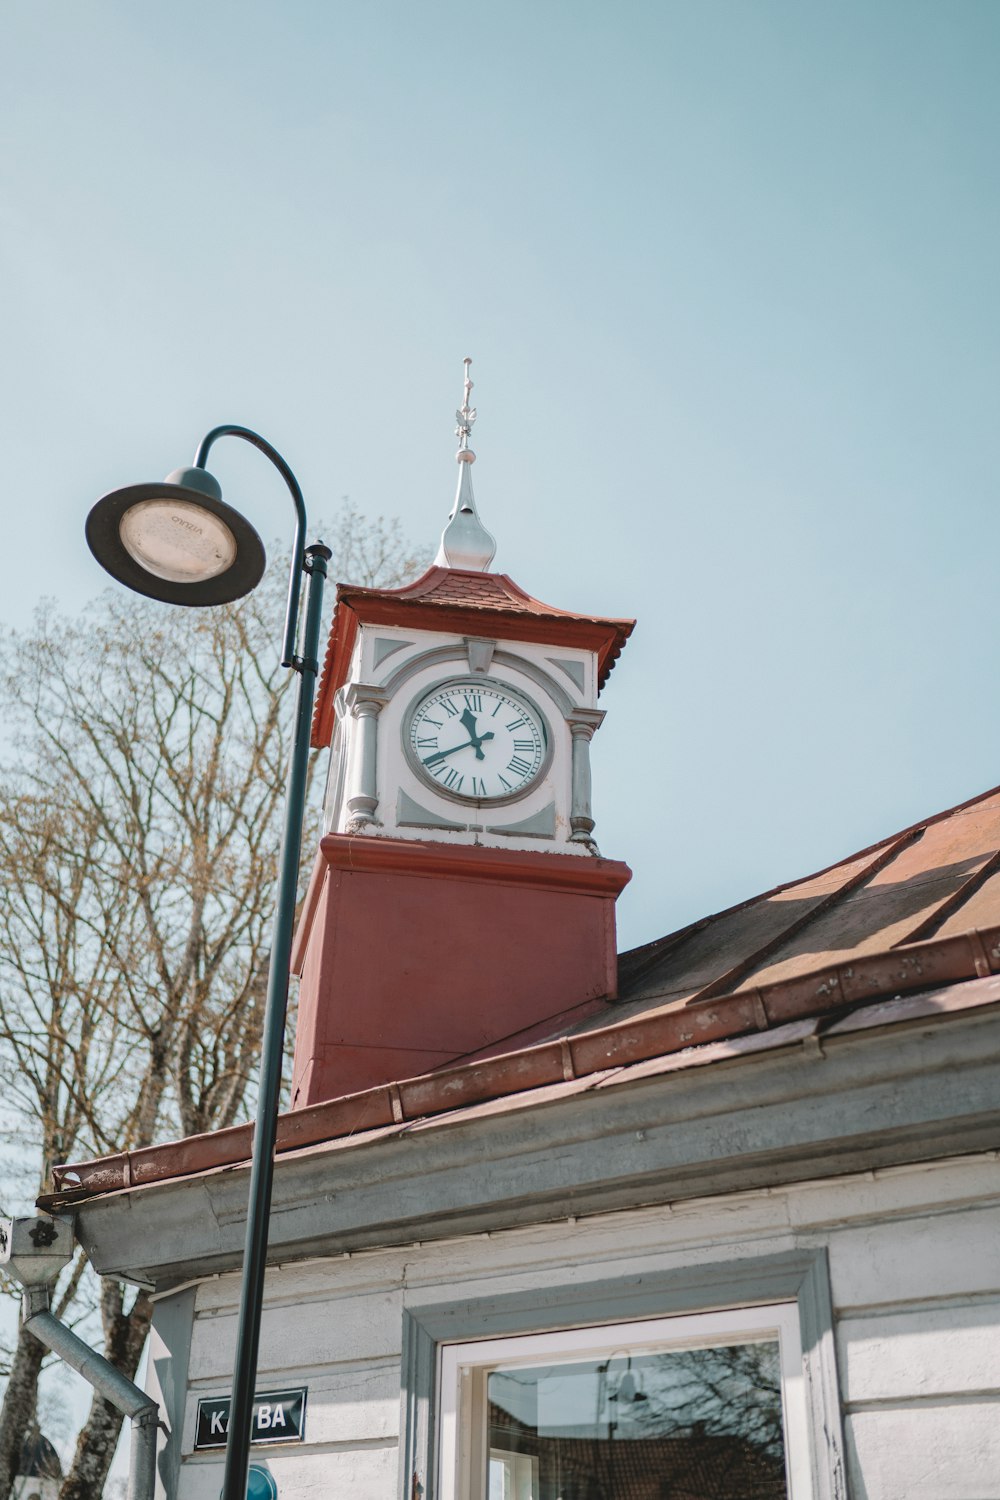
x: 721, y: 1221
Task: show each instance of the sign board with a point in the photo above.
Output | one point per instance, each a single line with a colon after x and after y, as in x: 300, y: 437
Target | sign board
x: 278, y: 1417
x: 261, y: 1484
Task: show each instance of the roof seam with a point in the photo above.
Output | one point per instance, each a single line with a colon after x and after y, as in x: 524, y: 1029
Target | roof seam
x: 747, y: 965
x: 951, y: 904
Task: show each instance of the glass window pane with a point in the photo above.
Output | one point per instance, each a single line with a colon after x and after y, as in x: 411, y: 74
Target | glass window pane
x: 681, y: 1424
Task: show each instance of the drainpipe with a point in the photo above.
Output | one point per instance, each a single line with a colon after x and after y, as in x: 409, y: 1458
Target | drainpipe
x: 33, y: 1252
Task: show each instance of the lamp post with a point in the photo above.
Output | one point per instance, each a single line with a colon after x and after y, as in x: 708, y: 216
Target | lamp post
x: 181, y: 543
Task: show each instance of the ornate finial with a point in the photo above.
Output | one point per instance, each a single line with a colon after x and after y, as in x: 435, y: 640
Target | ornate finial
x: 465, y: 542
x: 466, y: 414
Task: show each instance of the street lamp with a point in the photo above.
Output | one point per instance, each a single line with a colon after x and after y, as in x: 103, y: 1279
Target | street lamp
x: 180, y: 542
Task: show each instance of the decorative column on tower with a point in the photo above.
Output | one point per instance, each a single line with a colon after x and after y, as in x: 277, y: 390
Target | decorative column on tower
x: 582, y: 725
x: 364, y: 703
x: 459, y: 905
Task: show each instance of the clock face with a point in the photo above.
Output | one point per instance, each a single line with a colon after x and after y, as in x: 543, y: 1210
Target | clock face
x: 478, y: 741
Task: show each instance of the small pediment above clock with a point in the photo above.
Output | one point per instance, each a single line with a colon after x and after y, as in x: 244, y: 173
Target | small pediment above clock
x: 573, y: 669
x: 385, y: 646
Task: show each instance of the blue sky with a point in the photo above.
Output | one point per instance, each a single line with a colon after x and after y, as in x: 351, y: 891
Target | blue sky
x: 727, y: 271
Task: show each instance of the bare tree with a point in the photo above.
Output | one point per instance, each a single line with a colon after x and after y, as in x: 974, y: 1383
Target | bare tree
x: 139, y: 827
x: 721, y: 1408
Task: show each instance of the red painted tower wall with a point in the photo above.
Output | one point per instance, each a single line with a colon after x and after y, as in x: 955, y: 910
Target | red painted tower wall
x: 413, y: 955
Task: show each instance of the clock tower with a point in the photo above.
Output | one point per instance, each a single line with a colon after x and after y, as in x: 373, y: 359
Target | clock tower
x: 458, y: 905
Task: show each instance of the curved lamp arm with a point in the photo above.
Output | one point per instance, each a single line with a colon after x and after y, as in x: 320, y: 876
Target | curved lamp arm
x: 198, y: 490
x: 288, y: 658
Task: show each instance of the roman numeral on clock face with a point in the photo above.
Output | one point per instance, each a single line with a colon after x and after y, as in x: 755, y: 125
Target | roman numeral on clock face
x: 487, y: 744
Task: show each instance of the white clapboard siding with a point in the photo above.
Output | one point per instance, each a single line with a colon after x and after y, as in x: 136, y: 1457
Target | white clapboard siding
x: 323, y: 1331
x: 942, y: 1254
x: 924, y: 1452
x: 301, y: 1281
x: 345, y: 1406
x: 926, y: 1352
x: 687, y: 1227
x: 880, y: 1195
x: 915, y: 1274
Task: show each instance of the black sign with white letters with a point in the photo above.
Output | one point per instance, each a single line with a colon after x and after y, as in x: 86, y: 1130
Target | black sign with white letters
x: 278, y: 1417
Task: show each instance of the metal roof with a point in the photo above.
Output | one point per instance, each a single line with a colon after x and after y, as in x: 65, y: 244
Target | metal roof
x: 937, y: 878
x: 902, y: 929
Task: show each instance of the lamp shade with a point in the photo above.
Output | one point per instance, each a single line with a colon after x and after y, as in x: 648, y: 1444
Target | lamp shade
x: 177, y: 541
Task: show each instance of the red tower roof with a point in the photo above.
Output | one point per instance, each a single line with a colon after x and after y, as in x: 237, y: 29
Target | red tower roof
x: 450, y: 599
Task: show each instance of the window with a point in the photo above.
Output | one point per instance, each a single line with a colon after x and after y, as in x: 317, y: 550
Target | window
x: 444, y: 1368
x: 709, y: 1406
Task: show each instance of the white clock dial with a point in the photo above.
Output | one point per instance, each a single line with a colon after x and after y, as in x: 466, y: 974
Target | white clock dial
x: 478, y: 741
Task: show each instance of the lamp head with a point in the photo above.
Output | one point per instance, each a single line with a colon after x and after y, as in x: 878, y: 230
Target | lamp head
x: 177, y: 541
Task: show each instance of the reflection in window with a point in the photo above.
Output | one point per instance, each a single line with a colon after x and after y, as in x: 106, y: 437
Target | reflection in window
x: 682, y: 1424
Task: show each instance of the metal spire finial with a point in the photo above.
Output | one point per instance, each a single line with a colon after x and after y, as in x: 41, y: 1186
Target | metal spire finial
x: 466, y: 414
x: 465, y: 542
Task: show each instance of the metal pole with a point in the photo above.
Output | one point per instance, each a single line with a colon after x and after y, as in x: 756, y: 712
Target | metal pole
x: 272, y: 1045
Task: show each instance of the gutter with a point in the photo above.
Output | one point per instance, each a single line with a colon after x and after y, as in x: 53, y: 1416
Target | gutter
x: 33, y: 1252
x: 825, y: 994
x: 904, y: 1082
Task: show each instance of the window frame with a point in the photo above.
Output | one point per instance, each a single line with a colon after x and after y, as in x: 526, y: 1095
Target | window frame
x: 799, y: 1276
x: 462, y: 1368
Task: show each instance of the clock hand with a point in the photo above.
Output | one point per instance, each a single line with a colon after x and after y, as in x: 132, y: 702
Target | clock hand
x: 470, y: 744
x: 475, y: 740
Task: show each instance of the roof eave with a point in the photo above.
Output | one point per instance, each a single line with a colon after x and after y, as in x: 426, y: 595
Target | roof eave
x: 358, y: 606
x: 895, y: 1083
x: 835, y: 989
